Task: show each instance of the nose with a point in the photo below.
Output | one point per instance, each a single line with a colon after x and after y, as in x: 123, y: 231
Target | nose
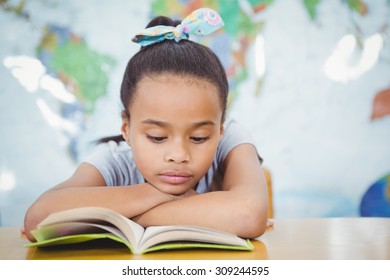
x: 178, y: 152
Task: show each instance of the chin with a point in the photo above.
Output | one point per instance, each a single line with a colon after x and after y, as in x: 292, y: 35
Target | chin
x: 174, y: 189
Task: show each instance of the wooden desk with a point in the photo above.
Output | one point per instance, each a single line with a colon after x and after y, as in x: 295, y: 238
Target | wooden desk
x: 335, y: 238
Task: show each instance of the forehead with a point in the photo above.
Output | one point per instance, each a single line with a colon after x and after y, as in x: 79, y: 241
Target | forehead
x: 176, y: 94
x: 172, y: 85
x: 177, y: 79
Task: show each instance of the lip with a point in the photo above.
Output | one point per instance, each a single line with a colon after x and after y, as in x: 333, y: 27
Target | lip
x: 175, y: 177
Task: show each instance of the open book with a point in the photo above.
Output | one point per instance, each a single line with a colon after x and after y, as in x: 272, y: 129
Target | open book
x: 91, y: 223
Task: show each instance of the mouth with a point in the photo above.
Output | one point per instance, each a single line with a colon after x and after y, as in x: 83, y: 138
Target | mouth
x: 175, y: 177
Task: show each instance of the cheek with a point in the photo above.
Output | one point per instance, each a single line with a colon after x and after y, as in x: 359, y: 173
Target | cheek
x: 142, y: 154
x: 205, y: 157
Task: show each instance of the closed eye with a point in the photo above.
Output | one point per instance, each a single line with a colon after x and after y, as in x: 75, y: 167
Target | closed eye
x: 199, y: 140
x: 156, y: 139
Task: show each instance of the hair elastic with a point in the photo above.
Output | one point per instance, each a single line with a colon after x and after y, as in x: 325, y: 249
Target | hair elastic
x: 200, y: 22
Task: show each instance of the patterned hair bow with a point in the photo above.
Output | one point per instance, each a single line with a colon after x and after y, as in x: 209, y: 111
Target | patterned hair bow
x: 203, y: 21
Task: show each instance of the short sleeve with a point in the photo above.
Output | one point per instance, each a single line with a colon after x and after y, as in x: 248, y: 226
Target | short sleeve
x: 234, y: 135
x: 114, y: 162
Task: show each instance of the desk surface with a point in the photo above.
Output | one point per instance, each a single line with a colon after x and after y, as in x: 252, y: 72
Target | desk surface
x: 333, y: 238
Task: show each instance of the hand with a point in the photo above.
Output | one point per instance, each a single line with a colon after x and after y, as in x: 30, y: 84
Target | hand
x: 270, y: 223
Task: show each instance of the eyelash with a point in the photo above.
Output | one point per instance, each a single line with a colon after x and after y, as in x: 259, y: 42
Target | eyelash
x: 159, y: 140
x: 199, y: 140
x: 156, y: 139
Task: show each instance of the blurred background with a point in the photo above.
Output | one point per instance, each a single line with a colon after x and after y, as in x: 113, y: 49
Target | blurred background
x: 309, y: 78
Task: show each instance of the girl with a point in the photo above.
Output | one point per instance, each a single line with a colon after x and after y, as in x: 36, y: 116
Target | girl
x: 177, y: 161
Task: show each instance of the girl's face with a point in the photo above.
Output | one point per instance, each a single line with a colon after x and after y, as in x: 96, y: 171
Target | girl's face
x: 174, y: 130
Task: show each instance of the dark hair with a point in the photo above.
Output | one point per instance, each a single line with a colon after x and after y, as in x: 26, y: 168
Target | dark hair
x: 185, y: 58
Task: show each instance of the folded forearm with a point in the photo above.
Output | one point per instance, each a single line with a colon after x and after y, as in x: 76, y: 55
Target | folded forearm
x: 241, y: 215
x: 129, y: 201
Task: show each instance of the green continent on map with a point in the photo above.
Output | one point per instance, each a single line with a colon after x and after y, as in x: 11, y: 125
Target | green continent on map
x: 83, y: 71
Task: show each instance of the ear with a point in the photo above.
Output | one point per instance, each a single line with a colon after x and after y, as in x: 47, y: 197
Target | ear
x: 125, y: 127
x: 221, y: 131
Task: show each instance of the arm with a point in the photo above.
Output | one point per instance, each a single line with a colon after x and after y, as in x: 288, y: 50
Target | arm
x: 86, y: 187
x: 241, y: 207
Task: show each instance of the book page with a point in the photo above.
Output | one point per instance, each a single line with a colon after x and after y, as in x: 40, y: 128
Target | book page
x: 162, y: 234
x: 73, y: 228
x: 97, y: 215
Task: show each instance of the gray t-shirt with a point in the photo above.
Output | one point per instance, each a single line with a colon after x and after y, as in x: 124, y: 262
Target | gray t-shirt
x: 115, y: 161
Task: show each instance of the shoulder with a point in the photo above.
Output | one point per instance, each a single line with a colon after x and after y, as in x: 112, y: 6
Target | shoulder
x: 236, y: 132
x: 108, y: 151
x: 234, y: 135
x: 115, y: 162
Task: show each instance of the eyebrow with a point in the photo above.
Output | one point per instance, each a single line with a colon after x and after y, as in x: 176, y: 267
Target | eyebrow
x: 165, y: 124
x: 155, y: 122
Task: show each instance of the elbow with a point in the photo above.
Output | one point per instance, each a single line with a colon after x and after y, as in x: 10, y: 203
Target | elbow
x: 253, y: 222
x: 35, y: 214
x: 32, y: 218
